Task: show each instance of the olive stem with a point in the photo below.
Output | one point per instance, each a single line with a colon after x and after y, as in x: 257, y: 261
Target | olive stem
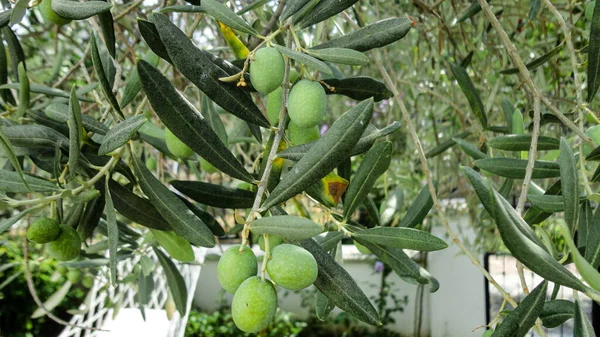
x: 266, y: 257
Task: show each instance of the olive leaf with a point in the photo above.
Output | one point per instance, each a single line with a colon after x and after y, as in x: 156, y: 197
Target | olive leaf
x: 445, y: 145
x: 470, y: 149
x: 536, y: 62
x: 13, y: 182
x: 304, y: 59
x: 60, y: 113
x: 359, y: 88
x: 76, y: 131
x: 419, y: 209
x: 177, y: 247
x: 14, y: 161
x: 468, y: 88
x: 516, y: 168
x: 121, y: 134
x: 113, y: 235
x: 215, y: 195
x: 593, y: 69
x: 152, y: 38
x: 75, y: 10
x: 523, y: 143
x: 227, y: 16
x: 401, y: 237
x: 174, y: 281
x: 340, y: 55
x: 24, y: 91
x: 134, y: 85
x: 582, y: 326
x: 287, y: 226
x: 519, y: 321
x: 292, y: 7
x: 48, y: 91
x: 547, y: 203
x: 14, y: 48
x: 101, y: 72
x: 569, y: 183
x: 324, y: 10
x: 557, y: 312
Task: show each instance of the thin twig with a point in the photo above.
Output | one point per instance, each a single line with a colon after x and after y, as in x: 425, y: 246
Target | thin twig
x: 270, y: 25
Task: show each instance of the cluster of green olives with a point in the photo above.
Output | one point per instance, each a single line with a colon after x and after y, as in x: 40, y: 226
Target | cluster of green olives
x: 306, y: 102
x: 63, y: 241
x: 254, y: 299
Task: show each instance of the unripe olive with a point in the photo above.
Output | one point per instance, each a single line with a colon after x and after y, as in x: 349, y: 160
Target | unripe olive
x: 299, y: 135
x: 292, y: 267
x: 61, y: 270
x: 267, y: 70
x: 176, y: 146
x: 274, y: 102
x: 88, y: 281
x: 43, y: 230
x: 66, y: 246
x: 207, y: 167
x: 151, y: 163
x: 293, y: 75
x: 274, y: 241
x: 235, y: 267
x: 254, y: 305
x: 74, y: 276
x: 307, y: 103
x: 488, y: 333
x: 362, y: 248
x: 50, y: 15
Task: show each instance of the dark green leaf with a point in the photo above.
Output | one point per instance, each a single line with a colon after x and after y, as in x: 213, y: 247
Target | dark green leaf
x: 14, y: 48
x: 569, y: 183
x: 5, y: 18
x: 187, y: 123
x: 339, y: 287
x: 358, y: 88
x: 469, y: 12
x: 145, y: 288
x: 340, y: 56
x: 593, y: 70
x: 23, y: 91
x: 178, y: 216
x: 583, y: 327
x: 100, y: 71
x: 304, y: 59
x: 515, y: 168
x: 535, y: 63
x: 14, y: 161
x: 121, y: 134
x: 586, y: 216
x: 113, y: 235
x: 199, y: 67
x: 213, y: 119
x: 175, y: 245
x: 401, y: 237
x: 534, y: 9
x: 222, y: 13
x: 330, y: 240
x: 150, y: 35
x: 594, y: 155
x: 324, y: 10
x: 445, y: 145
x: 209, y: 220
x: 174, y: 281
x: 291, y: 8
x: 75, y: 10
x: 327, y: 153
x: 557, y: 312
x: 592, y: 247
x: 375, y: 35
x: 520, y: 320
x: 374, y: 164
x: 468, y: 88
x: 133, y: 85
x: 11, y: 182
x: 5, y: 94
x: 60, y: 113
x: 523, y: 143
x: 8, y: 223
x: 372, y: 210
x: 44, y: 90
x: 105, y: 19
x: 183, y: 9
x: 137, y: 209
x: 75, y: 131
x: 35, y: 136
x: 90, y: 217
x: 287, y: 226
x: 547, y: 203
x: 418, y: 209
x: 215, y: 195
x: 470, y: 149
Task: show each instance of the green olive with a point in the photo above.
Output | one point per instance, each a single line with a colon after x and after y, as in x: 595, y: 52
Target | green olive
x: 88, y: 281
x: 274, y: 241
x: 74, y: 276
x: 207, y: 167
x: 235, y: 267
x: 176, y: 146
x: 299, y: 135
x: 362, y: 248
x: 43, y: 230
x: 274, y: 102
x: 254, y: 305
x: 66, y: 246
x: 151, y: 163
x: 292, y: 267
x: 267, y: 70
x: 50, y: 15
x: 307, y: 103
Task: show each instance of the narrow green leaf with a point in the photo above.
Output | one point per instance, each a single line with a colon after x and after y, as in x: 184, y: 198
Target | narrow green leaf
x: 340, y: 55
x: 187, y: 123
x: 291, y: 8
x: 330, y: 240
x: 133, y: 85
x: 14, y: 48
x: 324, y: 10
x: 215, y: 195
x: 209, y: 220
x: 178, y: 247
x: 113, y: 234
x: 5, y: 17
x: 594, y: 155
x: 178, y: 216
x: 174, y: 281
x: 121, y: 134
x: 327, y: 153
x: 401, y: 237
x: 8, y: 223
x: 182, y: 9
x: 520, y: 320
x: 91, y: 217
x: 469, y: 12
x: 5, y: 94
x: 75, y: 10
x: 152, y: 38
x: 323, y: 306
x: 53, y: 301
x: 372, y: 210
x: 593, y: 70
x: 536, y: 62
x: 445, y: 145
x: 418, y: 210
x: 534, y: 9
x: 287, y: 226
x: 592, y: 247
x: 358, y: 88
x: 35, y: 136
x: 534, y: 215
x: 60, y: 113
x: 547, y: 203
x: 304, y: 59
x: 374, y: 164
x: 519, y: 238
x: 376, y: 35
x: 23, y: 92
x: 195, y: 64
x: 48, y: 91
x: 105, y: 19
x: 145, y: 288
x: 470, y: 149
x: 582, y: 327
x: 468, y: 88
x: 586, y: 216
x: 569, y: 183
x: 148, y: 266
x: 523, y: 143
x: 508, y: 109
x: 515, y: 168
x: 557, y: 312
x: 12, y: 182
x: 222, y: 13
x: 213, y: 119
x: 100, y: 71
x: 6, y: 145
x: 365, y: 142
x: 75, y: 131
x: 391, y: 206
x: 339, y: 287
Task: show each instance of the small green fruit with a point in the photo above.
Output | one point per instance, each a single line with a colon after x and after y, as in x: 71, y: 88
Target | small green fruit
x: 267, y: 70
x: 61, y: 270
x: 292, y: 267
x: 293, y: 75
x: 207, y: 167
x: 254, y: 305
x: 66, y: 246
x: 274, y: 102
x: 151, y: 163
x: 88, y: 281
x: 74, y: 276
x: 362, y: 248
x: 50, y: 15
x: 148, y: 114
x: 307, y: 103
x: 274, y: 241
x: 299, y: 135
x: 235, y: 267
x: 488, y: 333
x: 43, y: 231
x: 176, y: 146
